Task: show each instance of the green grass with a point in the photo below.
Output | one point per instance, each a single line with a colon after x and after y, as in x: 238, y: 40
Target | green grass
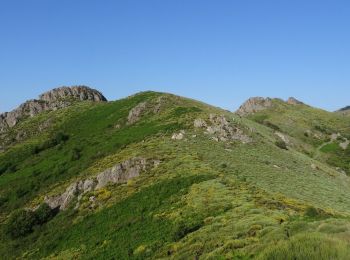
x: 207, y: 199
x: 329, y: 148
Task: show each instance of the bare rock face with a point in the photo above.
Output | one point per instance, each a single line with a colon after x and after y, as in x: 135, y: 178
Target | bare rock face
x: 254, y: 105
x: 294, y: 101
x: 221, y: 130
x: 52, y: 100
x: 76, y: 92
x: 122, y: 172
x: 119, y: 173
x: 136, y: 113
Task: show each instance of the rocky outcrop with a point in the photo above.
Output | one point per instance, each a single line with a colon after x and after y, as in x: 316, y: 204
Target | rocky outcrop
x: 52, y: 100
x: 294, y: 101
x: 76, y: 92
x: 254, y: 105
x: 136, y: 113
x: 119, y: 173
x: 283, y: 137
x: 221, y: 130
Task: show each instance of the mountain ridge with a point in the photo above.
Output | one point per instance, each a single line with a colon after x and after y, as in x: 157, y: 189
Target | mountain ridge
x: 156, y: 176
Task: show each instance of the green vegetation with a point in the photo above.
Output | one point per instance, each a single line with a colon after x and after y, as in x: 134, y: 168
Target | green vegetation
x: 265, y: 199
x: 22, y: 222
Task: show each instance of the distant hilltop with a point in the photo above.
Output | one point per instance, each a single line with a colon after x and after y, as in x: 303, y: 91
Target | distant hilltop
x: 52, y: 100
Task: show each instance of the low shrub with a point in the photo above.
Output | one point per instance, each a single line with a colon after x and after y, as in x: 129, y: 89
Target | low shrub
x: 184, y: 228
x: 281, y: 144
x: 22, y: 222
x: 58, y: 138
x: 271, y: 125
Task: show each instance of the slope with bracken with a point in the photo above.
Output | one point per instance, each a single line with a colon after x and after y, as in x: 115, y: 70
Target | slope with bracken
x: 160, y: 176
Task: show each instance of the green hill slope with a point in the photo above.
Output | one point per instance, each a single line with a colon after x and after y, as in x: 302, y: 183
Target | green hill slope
x: 157, y: 176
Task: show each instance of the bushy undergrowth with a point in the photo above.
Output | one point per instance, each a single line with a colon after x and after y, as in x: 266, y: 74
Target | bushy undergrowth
x: 22, y: 222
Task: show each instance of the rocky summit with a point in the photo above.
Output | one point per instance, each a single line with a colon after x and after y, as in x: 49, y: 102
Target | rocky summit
x: 159, y: 176
x: 51, y: 100
x: 253, y: 105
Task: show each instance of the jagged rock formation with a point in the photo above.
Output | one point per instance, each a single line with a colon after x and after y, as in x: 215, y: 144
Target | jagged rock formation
x: 294, y: 101
x: 253, y: 105
x: 119, y: 173
x: 51, y: 100
x: 76, y: 92
x: 221, y: 130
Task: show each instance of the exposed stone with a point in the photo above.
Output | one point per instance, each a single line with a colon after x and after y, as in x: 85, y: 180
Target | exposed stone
x: 283, y: 137
x: 159, y: 104
x: 294, y: 101
x: 52, y: 100
x: 75, y: 92
x: 221, y: 130
x: 119, y: 173
x: 136, y: 112
x: 334, y: 136
x: 122, y: 172
x: 314, y: 167
x: 345, y: 144
x: 199, y: 123
x: 178, y: 136
x: 253, y: 105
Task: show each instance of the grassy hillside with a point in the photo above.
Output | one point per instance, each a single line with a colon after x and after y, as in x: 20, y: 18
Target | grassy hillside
x: 209, y: 198
x: 315, y: 132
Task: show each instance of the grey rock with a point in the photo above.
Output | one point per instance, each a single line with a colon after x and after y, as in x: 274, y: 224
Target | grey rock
x: 75, y: 92
x: 221, y: 130
x: 283, y: 137
x: 199, y: 123
x: 294, y: 101
x: 178, y: 136
x: 119, y: 173
x: 253, y: 105
x: 52, y: 100
x: 136, y: 113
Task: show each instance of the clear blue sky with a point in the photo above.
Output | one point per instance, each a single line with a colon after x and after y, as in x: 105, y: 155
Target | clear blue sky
x: 218, y: 51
